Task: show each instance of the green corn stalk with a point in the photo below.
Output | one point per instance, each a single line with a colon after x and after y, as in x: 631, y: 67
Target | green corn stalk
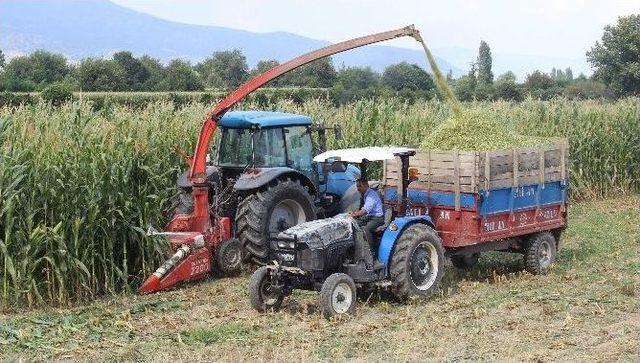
x: 78, y: 183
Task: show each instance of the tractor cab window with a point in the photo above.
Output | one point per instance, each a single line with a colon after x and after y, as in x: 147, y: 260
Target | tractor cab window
x: 300, y: 148
x: 235, y: 147
x: 269, y: 148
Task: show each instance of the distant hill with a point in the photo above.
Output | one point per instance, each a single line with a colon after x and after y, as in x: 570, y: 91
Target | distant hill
x: 82, y: 28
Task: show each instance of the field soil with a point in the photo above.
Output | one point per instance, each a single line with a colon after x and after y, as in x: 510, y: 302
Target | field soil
x: 587, y: 308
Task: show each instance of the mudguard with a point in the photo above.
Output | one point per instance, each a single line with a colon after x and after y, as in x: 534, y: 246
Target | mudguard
x: 390, y: 236
x: 263, y: 176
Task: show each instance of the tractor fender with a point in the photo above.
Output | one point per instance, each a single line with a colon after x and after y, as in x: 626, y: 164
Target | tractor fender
x: 185, y: 183
x: 264, y: 176
x: 390, y: 236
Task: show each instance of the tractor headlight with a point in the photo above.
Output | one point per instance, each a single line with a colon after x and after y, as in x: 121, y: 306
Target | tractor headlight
x: 286, y: 244
x: 393, y: 227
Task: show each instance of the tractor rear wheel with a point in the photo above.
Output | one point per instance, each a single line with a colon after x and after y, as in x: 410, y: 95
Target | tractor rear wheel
x: 270, y: 211
x: 417, y: 263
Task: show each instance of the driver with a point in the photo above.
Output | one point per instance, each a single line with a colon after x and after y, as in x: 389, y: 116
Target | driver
x: 370, y: 216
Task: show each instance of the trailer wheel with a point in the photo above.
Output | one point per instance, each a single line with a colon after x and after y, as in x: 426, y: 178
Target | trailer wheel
x: 261, y: 295
x: 338, y: 295
x: 270, y: 211
x: 229, y: 256
x: 540, y: 253
x: 465, y: 262
x: 417, y: 263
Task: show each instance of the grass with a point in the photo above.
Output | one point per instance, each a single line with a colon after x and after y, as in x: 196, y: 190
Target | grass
x: 77, y: 186
x: 587, y: 308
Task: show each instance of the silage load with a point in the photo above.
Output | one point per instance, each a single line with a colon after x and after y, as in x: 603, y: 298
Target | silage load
x: 476, y: 130
x: 470, y: 129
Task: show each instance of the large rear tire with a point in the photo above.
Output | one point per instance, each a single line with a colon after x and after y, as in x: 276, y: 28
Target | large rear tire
x: 417, y: 263
x: 270, y: 211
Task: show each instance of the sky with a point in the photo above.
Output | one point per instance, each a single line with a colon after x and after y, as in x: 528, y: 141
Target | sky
x: 565, y: 29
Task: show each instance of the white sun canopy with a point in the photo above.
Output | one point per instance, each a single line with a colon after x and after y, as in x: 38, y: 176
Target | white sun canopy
x: 357, y: 155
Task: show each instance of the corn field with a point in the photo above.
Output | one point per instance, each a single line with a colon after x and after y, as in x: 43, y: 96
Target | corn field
x: 78, y: 186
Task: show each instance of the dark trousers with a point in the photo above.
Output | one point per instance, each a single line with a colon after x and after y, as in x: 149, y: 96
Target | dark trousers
x: 367, y: 246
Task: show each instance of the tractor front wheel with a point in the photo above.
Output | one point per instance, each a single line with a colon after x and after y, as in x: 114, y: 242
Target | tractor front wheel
x: 261, y: 293
x: 417, y: 262
x: 338, y: 295
x: 281, y: 205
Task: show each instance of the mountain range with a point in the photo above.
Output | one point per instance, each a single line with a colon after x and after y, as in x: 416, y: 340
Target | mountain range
x: 99, y: 28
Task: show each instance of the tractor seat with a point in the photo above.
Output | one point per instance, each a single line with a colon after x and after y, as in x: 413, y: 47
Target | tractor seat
x: 388, y: 216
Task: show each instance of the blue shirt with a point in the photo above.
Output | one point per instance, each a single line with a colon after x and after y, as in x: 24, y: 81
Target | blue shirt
x: 372, y: 203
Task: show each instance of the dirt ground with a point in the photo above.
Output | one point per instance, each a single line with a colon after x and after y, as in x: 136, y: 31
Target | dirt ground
x: 587, y: 308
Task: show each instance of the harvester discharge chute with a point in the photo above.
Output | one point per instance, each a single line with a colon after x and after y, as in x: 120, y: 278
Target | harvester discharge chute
x: 203, y: 238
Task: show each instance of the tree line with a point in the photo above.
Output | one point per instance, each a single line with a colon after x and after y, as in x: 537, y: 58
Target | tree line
x: 616, y: 60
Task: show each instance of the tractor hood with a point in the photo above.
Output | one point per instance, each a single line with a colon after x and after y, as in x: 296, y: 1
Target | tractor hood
x: 321, y: 233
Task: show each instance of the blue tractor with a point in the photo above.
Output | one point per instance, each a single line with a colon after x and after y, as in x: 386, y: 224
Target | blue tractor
x: 322, y: 255
x: 262, y: 175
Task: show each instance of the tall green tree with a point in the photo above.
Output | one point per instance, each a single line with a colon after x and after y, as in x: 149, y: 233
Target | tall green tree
x: 484, y: 63
x: 224, y: 69
x: 541, y: 86
x: 180, y: 76
x: 263, y: 66
x: 155, y: 70
x: 587, y: 89
x: 616, y: 58
x: 355, y: 83
x: 405, y: 76
x: 355, y: 78
x: 319, y: 74
x: 506, y: 87
x: 95, y: 74
x: 562, y: 78
x: 465, y: 88
x: 135, y: 72
x: 35, y: 71
x: 1, y: 59
x: 568, y: 74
